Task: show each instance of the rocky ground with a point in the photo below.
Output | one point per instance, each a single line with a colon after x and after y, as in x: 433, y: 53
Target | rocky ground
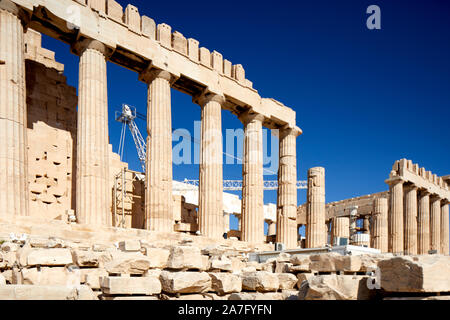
x: 50, y: 268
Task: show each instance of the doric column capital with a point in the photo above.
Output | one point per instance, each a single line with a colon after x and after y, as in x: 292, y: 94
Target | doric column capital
x: 12, y: 8
x: 394, y: 181
x: 249, y: 116
x: 207, y: 97
x: 286, y: 131
x: 81, y: 46
x: 410, y: 187
x: 151, y: 74
x: 434, y: 198
x: 423, y: 193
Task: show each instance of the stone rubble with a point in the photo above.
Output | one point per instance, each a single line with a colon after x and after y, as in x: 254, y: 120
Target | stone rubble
x: 188, y: 272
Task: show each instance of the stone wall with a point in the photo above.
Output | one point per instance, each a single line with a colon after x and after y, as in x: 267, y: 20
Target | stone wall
x: 52, y: 123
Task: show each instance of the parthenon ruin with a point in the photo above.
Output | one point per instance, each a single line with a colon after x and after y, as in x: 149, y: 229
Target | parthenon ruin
x: 163, y: 60
x: 60, y: 179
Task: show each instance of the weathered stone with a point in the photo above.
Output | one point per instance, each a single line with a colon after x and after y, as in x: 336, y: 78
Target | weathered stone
x: 335, y: 287
x: 224, y: 283
x: 260, y: 281
x: 58, y: 276
x: 27, y: 292
x: 185, y: 257
x: 46, y: 257
x: 415, y: 274
x: 7, y: 275
x: 287, y: 281
x: 130, y: 245
x: 86, y: 293
x: 128, y: 263
x: 131, y: 285
x: 281, y: 267
x: 2, y: 280
x: 158, y: 257
x: 9, y: 247
x: 221, y: 263
x: 91, y: 277
x: 185, y: 282
x: 256, y: 296
x: 90, y: 258
x: 237, y: 264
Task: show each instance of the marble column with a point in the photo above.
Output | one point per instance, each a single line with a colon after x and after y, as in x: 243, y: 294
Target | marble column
x: 435, y: 224
x: 158, y: 178
x: 444, y: 229
x: 226, y: 222
x: 380, y: 225
x: 272, y: 228
x: 410, y: 220
x: 287, y: 231
x: 366, y: 224
x: 353, y: 221
x: 211, y: 174
x: 93, y: 193
x: 340, y: 227
x: 13, y: 114
x: 315, y: 212
x: 395, y: 216
x: 423, y: 223
x: 252, y: 204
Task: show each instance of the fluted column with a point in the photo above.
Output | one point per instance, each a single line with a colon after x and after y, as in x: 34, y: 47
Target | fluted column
x: 410, y: 220
x: 211, y: 174
x: 444, y: 229
x: 13, y: 114
x: 395, y: 216
x: 287, y: 231
x: 252, y: 204
x: 93, y: 193
x: 340, y: 227
x: 315, y: 212
x: 435, y: 224
x: 158, y: 178
x: 380, y: 225
x: 423, y: 223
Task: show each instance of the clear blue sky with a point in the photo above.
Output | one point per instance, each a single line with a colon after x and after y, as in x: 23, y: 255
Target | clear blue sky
x: 364, y: 98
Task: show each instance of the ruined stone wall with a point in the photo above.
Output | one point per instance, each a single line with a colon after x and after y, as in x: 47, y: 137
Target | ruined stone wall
x: 52, y: 134
x: 51, y: 115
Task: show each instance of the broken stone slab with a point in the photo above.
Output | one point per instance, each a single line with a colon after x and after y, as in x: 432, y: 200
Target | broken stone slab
x: 131, y: 285
x: 282, y: 267
x: 27, y: 292
x: 334, y: 262
x: 158, y: 257
x: 261, y: 281
x: 224, y: 283
x: 84, y: 292
x: 57, y: 276
x: 91, y: 277
x: 335, y: 287
x: 84, y: 258
x: 300, y: 262
x: 45, y: 257
x: 128, y: 263
x: 427, y: 273
x: 221, y: 263
x: 185, y: 258
x: 287, y: 281
x: 130, y: 245
x: 185, y: 282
